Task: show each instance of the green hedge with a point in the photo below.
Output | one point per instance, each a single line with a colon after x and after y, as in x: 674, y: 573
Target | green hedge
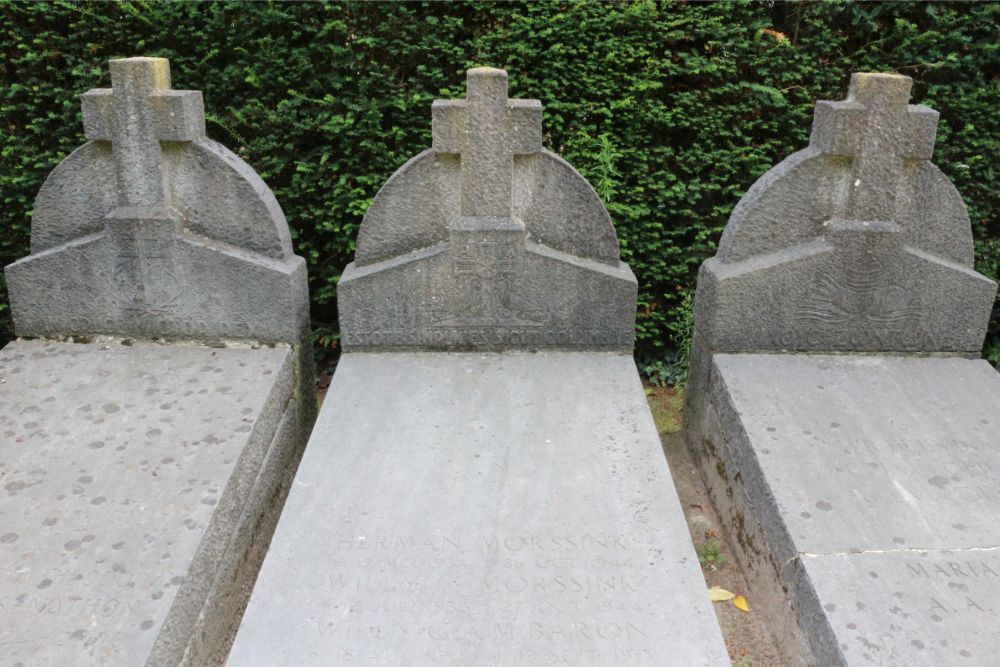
x: 672, y: 110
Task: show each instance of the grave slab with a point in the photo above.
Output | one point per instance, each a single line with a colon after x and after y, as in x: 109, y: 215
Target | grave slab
x: 152, y: 424
x: 871, y: 482
x: 134, y: 479
x: 860, y: 486
x: 482, y: 509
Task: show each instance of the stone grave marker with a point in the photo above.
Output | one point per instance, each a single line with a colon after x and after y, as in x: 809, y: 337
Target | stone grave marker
x: 494, y: 491
x: 487, y: 241
x: 843, y: 418
x: 157, y: 402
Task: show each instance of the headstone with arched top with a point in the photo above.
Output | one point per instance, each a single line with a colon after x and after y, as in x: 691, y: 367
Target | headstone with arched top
x: 487, y: 241
x: 508, y: 504
x: 843, y: 420
x: 162, y: 396
x: 152, y: 230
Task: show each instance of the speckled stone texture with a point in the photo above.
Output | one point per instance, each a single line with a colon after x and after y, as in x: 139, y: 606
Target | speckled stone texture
x: 134, y: 482
x: 152, y: 230
x: 141, y: 482
x: 859, y: 487
x: 867, y: 486
x: 460, y: 509
x: 487, y: 241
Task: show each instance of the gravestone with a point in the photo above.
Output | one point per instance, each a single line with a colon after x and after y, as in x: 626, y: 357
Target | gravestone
x: 487, y: 241
x: 159, y: 397
x: 842, y: 417
x: 493, y: 492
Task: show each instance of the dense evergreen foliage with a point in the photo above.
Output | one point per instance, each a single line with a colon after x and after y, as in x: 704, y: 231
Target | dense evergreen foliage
x: 672, y: 110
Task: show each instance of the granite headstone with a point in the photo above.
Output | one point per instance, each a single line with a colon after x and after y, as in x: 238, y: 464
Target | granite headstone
x: 483, y: 507
x: 153, y: 416
x: 842, y: 419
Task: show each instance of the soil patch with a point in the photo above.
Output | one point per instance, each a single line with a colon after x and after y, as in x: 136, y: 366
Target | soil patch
x: 747, y: 634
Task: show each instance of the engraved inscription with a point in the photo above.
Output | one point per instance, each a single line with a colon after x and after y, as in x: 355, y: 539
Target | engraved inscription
x: 148, y: 325
x: 917, y: 336
x: 913, y: 601
x: 964, y: 580
x: 480, y: 336
x: 492, y: 599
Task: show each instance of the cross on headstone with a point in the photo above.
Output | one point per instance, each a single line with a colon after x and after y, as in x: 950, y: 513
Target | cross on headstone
x: 879, y: 129
x: 144, y: 279
x: 487, y: 129
x: 494, y: 266
x: 135, y: 115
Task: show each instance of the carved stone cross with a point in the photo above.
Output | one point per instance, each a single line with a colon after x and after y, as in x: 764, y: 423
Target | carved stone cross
x: 494, y: 267
x: 879, y: 129
x: 135, y: 115
x: 487, y: 129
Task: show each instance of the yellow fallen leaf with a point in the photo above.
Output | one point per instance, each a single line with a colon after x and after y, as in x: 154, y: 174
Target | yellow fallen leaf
x: 740, y: 603
x: 720, y: 594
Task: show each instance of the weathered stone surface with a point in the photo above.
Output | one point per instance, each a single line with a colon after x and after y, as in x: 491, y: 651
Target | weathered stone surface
x: 143, y: 481
x: 857, y: 242
x: 867, y: 487
x: 933, y: 608
x: 482, y: 509
x: 487, y: 241
x: 153, y: 230
x: 860, y: 489
x: 137, y: 484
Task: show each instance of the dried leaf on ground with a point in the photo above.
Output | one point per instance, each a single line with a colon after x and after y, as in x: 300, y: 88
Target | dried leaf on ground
x: 741, y: 603
x: 720, y: 594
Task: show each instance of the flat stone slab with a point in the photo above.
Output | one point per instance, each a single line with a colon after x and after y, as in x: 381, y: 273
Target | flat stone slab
x: 131, y: 482
x: 926, y: 608
x: 873, y: 484
x: 482, y: 509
